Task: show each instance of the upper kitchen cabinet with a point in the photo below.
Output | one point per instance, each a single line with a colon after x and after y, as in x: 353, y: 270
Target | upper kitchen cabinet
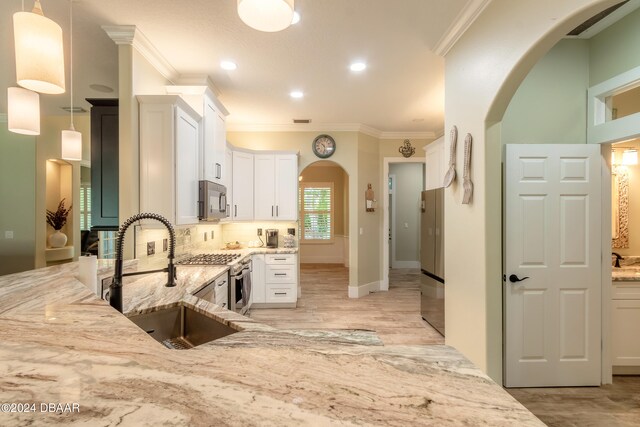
x: 242, y: 182
x: 213, y: 126
x: 169, y: 158
x: 276, y: 187
x: 104, y: 164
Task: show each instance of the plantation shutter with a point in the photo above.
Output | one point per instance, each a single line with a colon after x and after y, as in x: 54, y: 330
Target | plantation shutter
x: 316, y: 199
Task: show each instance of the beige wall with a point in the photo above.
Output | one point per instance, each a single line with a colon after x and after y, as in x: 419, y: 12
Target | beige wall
x: 409, y: 185
x: 369, y: 223
x: 18, y: 200
x: 482, y: 73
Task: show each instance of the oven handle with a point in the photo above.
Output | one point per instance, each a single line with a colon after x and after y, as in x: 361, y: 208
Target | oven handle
x: 239, y: 274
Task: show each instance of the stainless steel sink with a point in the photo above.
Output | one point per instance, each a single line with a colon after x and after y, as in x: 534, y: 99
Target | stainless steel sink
x: 181, y: 327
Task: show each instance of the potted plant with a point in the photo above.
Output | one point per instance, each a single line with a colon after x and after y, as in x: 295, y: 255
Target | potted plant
x: 57, y: 220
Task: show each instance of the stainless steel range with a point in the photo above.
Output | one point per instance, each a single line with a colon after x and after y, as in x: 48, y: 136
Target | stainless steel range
x: 237, y: 283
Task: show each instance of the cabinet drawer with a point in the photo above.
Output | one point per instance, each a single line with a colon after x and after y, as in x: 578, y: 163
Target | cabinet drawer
x: 281, y: 294
x: 626, y: 290
x: 281, y: 274
x: 280, y: 258
x: 625, y: 346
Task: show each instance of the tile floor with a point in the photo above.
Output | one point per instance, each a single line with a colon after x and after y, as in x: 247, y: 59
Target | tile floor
x: 395, y: 316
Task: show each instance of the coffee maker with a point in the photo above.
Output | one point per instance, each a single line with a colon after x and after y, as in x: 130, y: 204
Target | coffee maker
x: 272, y: 237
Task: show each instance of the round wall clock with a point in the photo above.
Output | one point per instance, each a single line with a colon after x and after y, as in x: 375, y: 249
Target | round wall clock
x: 323, y: 146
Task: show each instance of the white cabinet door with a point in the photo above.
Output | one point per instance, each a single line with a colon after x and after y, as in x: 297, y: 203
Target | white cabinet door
x: 286, y: 181
x: 228, y: 180
x: 209, y: 140
x: 258, y: 288
x: 626, y: 330
x: 187, y: 156
x: 264, y: 187
x: 220, y: 148
x: 242, y: 208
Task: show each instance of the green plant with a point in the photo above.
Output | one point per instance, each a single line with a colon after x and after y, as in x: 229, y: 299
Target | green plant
x: 58, y: 218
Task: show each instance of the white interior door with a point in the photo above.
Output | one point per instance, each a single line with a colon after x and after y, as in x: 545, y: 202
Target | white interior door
x: 553, y: 244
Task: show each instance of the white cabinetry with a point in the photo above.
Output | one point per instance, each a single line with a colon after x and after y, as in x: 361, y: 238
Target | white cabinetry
x: 242, y: 172
x: 214, y: 142
x: 626, y: 325
x: 257, y: 279
x: 435, y: 166
x: 275, y: 280
x: 276, y: 187
x: 169, y: 158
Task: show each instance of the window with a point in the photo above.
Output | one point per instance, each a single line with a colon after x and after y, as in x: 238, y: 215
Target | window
x: 316, y: 211
x: 85, y: 206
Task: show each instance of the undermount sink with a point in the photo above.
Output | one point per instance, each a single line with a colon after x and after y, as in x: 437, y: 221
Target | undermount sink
x: 180, y: 327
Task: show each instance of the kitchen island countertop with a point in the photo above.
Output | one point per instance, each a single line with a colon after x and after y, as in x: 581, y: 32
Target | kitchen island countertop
x: 61, y: 344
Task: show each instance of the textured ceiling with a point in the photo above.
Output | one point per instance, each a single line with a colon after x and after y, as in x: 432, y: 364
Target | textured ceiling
x: 402, y: 89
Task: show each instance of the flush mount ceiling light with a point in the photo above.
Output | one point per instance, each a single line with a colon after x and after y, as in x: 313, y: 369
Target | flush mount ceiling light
x: 296, y: 94
x: 266, y: 15
x: 39, y: 52
x: 71, y: 148
x: 358, y: 66
x: 228, y: 65
x: 23, y: 115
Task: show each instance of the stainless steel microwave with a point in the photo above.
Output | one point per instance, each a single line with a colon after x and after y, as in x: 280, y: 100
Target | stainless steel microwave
x: 212, y: 201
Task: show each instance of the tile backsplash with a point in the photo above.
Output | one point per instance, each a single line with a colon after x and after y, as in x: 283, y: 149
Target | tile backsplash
x: 198, y: 237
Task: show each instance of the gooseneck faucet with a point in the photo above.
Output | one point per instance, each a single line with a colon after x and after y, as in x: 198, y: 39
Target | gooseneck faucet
x: 618, y: 258
x: 115, y: 290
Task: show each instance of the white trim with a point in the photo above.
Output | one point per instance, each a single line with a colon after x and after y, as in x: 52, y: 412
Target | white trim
x: 363, y: 290
x: 3, y: 117
x: 599, y: 130
x: 405, y: 264
x: 384, y: 265
x: 131, y: 35
x: 606, y: 362
x: 460, y: 24
x: 608, y: 20
x: 329, y: 127
x: 392, y: 218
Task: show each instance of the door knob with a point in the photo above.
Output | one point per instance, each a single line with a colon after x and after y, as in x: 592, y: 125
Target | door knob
x: 514, y: 279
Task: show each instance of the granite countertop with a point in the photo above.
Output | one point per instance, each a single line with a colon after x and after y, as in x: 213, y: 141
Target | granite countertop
x: 61, y: 344
x: 629, y: 270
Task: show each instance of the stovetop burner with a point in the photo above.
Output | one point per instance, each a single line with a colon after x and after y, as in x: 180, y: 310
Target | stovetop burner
x: 209, y: 259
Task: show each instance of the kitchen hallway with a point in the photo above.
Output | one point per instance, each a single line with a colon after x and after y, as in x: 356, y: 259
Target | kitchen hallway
x: 324, y: 304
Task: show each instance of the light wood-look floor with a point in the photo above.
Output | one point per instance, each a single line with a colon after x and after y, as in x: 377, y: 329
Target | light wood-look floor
x: 395, y: 316
x: 325, y: 304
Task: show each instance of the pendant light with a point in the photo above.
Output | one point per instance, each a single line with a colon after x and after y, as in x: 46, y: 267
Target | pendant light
x: 23, y: 111
x: 71, y: 139
x: 39, y: 52
x: 266, y: 15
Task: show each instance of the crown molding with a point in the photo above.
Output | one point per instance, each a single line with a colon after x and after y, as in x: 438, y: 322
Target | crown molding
x: 329, y: 127
x: 463, y: 21
x: 130, y: 35
x: 3, y: 117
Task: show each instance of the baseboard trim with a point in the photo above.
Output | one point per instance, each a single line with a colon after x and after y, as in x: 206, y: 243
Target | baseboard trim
x: 405, y: 264
x: 362, y: 290
x: 626, y: 370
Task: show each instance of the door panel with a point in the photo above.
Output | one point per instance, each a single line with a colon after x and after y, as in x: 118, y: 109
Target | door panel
x: 552, y: 241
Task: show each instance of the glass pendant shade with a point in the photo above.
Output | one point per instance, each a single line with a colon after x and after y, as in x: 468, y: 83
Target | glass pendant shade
x: 71, y: 145
x: 266, y: 15
x: 23, y: 111
x: 39, y: 52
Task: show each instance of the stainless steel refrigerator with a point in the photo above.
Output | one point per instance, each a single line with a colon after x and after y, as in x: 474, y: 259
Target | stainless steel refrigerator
x: 432, y: 258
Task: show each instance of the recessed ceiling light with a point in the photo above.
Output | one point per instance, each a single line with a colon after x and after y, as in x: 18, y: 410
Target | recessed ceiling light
x: 296, y: 94
x: 296, y: 18
x: 358, y: 66
x: 228, y: 65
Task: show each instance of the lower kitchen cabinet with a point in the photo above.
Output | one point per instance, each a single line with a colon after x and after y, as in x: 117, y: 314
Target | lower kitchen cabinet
x: 275, y: 280
x: 625, y: 320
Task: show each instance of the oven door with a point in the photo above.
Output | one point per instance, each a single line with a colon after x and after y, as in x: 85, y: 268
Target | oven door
x: 240, y: 291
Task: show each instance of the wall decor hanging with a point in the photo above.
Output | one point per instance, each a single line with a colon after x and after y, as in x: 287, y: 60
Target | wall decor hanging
x: 450, y: 176
x: 406, y: 149
x: 467, y: 185
x: 369, y: 199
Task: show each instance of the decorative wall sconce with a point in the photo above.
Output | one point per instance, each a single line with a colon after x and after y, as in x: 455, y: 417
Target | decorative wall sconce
x: 629, y: 157
x: 406, y: 149
x: 369, y: 199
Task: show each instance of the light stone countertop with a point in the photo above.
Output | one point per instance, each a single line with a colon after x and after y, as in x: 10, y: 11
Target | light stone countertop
x: 629, y: 270
x: 61, y: 344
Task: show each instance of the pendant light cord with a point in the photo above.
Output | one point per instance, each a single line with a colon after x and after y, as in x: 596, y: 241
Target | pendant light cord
x: 71, y: 56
